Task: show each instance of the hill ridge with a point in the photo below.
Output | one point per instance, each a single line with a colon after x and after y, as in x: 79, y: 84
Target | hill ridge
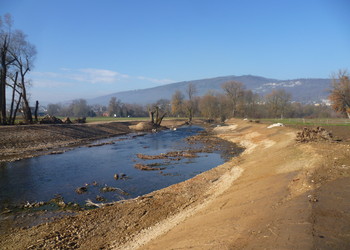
x: 305, y: 90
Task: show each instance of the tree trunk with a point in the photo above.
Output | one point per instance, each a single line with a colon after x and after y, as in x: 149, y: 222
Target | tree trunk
x: 157, y: 115
x: 13, y: 99
x: 151, y: 116
x: 26, y: 108
x: 190, y: 114
x: 27, y: 112
x: 36, y: 111
x: 16, y: 109
x: 3, y: 91
x: 159, y: 121
x: 3, y: 75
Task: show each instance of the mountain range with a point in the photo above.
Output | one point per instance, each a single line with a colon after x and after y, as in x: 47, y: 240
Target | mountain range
x: 309, y: 90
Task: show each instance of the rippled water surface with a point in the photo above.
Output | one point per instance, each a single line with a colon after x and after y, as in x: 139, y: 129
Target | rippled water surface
x: 42, y: 178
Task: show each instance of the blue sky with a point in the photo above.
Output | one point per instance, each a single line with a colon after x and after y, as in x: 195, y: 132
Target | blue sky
x: 92, y: 48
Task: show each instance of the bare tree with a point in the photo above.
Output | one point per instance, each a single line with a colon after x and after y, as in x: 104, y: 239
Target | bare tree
x: 114, y: 107
x: 54, y: 109
x: 79, y: 108
x: 14, y: 90
x: 251, y: 105
x: 223, y: 110
x: 36, y: 111
x: 164, y: 105
x: 177, y: 103
x: 136, y: 110
x: 23, y: 54
x: 16, y: 98
x: 16, y: 59
x: 340, y: 93
x: 234, y: 91
x: 5, y: 61
x: 209, y: 106
x: 156, y: 115
x: 190, y: 103
x: 277, y: 102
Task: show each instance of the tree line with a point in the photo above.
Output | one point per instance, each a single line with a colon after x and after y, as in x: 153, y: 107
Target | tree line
x: 80, y: 108
x: 233, y: 101
x: 236, y: 101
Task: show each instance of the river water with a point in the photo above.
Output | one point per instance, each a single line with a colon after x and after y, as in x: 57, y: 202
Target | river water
x: 45, y: 177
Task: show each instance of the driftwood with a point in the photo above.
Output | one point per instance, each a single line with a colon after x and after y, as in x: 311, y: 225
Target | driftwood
x: 93, y: 204
x: 106, y: 189
x: 48, y: 119
x: 173, y: 154
x: 66, y: 120
x: 151, y: 157
x: 147, y: 167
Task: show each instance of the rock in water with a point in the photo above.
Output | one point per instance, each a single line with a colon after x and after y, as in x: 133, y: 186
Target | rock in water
x: 81, y: 190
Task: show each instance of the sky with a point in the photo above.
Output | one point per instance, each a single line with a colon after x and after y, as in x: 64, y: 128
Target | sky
x: 92, y: 48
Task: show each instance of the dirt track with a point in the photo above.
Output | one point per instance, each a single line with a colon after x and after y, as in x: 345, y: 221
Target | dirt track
x: 278, y: 194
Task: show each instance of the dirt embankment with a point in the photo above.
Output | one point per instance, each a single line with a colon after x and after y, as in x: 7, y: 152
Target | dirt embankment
x: 289, y: 196
x: 279, y: 194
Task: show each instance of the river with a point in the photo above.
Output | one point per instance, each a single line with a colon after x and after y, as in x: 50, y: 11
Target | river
x: 94, y: 168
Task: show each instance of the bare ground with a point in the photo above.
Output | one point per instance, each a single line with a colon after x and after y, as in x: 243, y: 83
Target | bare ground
x: 279, y: 194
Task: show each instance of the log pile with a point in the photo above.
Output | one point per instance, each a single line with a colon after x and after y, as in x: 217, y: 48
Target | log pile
x: 80, y: 120
x: 314, y: 134
x: 50, y: 119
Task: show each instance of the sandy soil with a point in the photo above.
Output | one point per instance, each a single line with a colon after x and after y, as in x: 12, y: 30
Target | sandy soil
x: 279, y: 194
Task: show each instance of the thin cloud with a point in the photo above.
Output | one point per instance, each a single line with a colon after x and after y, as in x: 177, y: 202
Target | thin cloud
x: 88, y: 75
x: 97, y: 75
x: 94, y: 76
x: 154, y: 80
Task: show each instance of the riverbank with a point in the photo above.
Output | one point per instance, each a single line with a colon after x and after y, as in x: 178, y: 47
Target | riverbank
x: 279, y: 194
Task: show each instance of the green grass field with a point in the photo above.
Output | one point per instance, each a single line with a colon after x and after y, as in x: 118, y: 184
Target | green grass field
x: 311, y: 122
x: 113, y: 119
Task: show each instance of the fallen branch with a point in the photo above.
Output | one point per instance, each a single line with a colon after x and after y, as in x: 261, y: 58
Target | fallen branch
x: 147, y: 168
